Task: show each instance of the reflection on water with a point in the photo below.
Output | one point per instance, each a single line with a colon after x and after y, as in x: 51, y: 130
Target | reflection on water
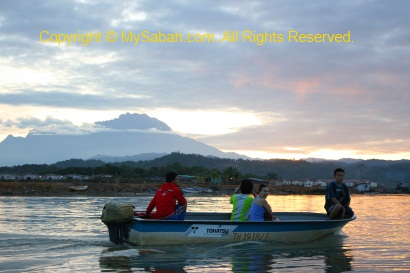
x: 325, y: 255
x: 65, y: 234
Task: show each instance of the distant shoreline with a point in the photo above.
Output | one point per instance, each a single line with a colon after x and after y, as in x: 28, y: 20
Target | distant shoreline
x: 99, y: 188
x: 112, y: 189
x: 116, y: 189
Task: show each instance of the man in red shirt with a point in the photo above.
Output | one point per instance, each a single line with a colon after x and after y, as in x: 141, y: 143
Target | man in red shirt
x: 164, y: 200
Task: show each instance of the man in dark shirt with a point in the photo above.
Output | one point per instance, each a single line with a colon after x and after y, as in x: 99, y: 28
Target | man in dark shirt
x: 338, y: 197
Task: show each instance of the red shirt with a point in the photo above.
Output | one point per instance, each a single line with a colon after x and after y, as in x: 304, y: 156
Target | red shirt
x: 164, y: 200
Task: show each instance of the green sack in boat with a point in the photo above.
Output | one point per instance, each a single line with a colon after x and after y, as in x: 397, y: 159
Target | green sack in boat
x: 117, y: 213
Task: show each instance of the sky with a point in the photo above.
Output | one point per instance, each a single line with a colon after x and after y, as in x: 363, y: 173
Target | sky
x: 267, y: 79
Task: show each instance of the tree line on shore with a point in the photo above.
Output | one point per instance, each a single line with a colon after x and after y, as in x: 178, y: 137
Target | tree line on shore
x: 387, y: 173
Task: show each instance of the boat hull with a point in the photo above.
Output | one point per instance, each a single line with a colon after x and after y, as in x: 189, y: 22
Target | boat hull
x: 78, y: 188
x: 204, y: 228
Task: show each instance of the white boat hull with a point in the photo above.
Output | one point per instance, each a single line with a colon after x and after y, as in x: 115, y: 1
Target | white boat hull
x: 78, y: 188
x: 202, y: 228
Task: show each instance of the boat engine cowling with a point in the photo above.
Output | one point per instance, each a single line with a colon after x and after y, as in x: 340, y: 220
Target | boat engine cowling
x: 118, y: 218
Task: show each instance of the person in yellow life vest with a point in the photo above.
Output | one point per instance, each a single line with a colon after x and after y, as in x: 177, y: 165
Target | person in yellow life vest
x: 242, y: 201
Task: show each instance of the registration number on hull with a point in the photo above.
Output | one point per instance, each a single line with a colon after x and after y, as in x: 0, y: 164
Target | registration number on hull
x: 220, y: 231
x: 250, y: 236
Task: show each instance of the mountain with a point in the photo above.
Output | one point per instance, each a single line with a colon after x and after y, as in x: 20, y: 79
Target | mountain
x: 342, y: 160
x: 139, y: 157
x: 135, y: 121
x: 37, y: 148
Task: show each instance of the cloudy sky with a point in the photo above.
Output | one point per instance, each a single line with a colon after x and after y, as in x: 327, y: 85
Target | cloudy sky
x: 269, y: 79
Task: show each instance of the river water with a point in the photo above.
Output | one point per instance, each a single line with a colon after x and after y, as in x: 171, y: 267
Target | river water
x: 65, y: 234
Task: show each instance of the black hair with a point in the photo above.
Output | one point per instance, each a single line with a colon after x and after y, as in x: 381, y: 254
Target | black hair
x: 246, y: 186
x: 261, y: 186
x: 170, y: 176
x: 338, y: 170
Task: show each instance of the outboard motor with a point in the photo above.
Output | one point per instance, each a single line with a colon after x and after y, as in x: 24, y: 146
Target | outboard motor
x: 118, y: 218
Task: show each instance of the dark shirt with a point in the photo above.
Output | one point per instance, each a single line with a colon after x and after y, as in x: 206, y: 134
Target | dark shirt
x: 340, y: 192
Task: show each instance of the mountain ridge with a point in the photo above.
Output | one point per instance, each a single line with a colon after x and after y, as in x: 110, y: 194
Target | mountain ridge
x: 45, y: 148
x: 389, y: 175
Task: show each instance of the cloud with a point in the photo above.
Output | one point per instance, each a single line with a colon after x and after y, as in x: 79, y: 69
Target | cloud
x: 48, y: 125
x: 350, y: 96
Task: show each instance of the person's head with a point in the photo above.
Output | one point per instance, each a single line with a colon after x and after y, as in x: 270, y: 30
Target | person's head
x: 263, y: 190
x: 339, y: 174
x: 246, y: 186
x: 171, y: 176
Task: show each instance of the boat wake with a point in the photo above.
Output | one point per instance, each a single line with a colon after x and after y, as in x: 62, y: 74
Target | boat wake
x: 130, y: 253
